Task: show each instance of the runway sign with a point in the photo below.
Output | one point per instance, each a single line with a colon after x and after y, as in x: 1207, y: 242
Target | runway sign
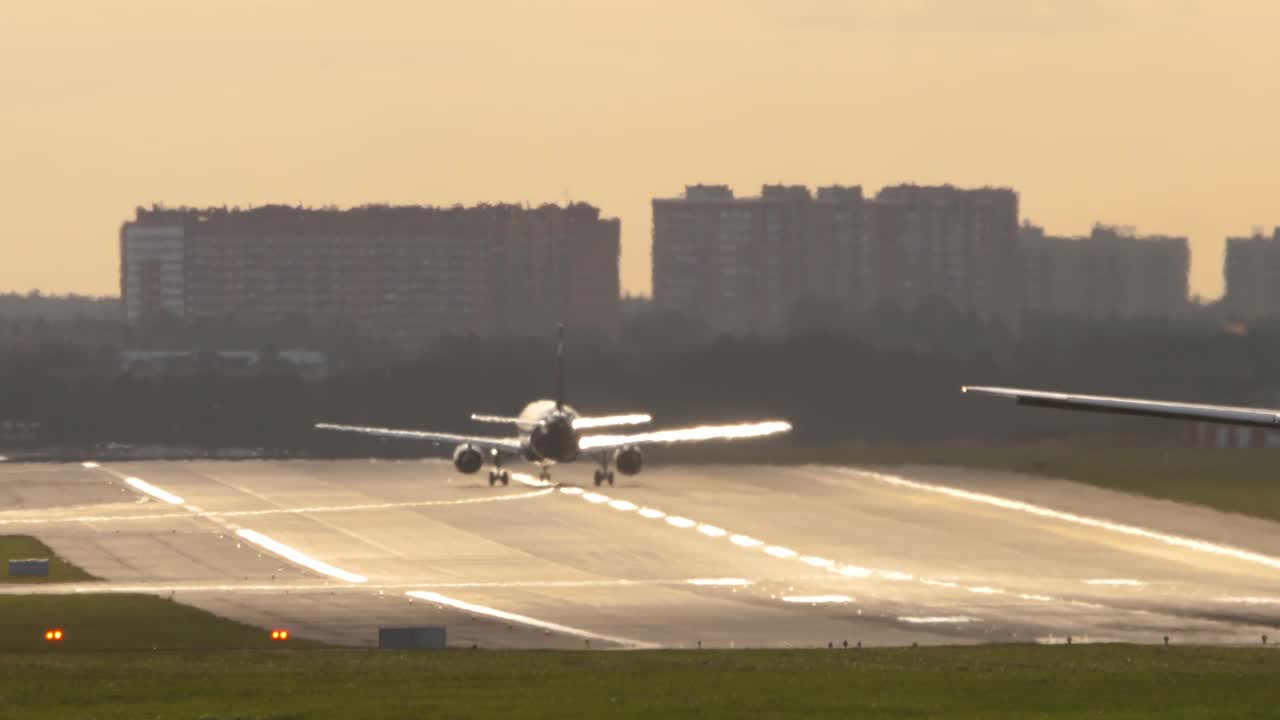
x: 32, y: 567
x: 430, y: 637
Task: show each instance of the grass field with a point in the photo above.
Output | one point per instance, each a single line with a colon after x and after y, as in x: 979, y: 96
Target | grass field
x: 18, y: 547
x: 122, y: 622
x: 1240, y: 481
x: 990, y: 682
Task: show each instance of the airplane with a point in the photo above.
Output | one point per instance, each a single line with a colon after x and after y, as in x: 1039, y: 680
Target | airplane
x: 550, y: 432
x: 1225, y: 414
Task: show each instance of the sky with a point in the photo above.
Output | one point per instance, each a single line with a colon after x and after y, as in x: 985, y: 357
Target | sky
x: 1160, y: 114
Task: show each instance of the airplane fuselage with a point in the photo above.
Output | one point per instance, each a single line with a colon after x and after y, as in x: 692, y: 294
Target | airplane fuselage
x: 547, y: 432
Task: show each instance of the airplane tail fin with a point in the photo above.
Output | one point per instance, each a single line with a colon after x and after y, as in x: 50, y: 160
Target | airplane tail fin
x: 560, y: 367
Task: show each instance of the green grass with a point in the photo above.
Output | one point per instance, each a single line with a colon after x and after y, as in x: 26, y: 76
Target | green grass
x: 21, y: 547
x: 1240, y: 481
x: 990, y: 682
x: 122, y: 622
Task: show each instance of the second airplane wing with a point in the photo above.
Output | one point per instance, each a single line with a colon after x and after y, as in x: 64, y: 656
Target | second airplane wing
x: 1251, y: 417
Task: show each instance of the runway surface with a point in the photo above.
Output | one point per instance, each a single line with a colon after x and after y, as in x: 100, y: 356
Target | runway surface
x: 725, y: 556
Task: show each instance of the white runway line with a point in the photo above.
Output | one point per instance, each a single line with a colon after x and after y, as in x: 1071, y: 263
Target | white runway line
x: 1119, y: 582
x: 786, y: 553
x: 719, y: 582
x: 196, y: 512
x: 1084, y: 520
x: 447, y: 601
x: 153, y: 491
x: 1250, y: 600
x: 817, y: 599
x: 298, y: 557
x: 89, y: 465
x: 936, y: 619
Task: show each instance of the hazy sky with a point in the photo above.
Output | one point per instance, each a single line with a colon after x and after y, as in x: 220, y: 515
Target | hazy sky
x: 1162, y: 114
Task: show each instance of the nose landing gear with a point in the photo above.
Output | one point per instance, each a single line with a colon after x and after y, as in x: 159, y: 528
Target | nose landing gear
x: 497, y: 474
x: 603, y: 473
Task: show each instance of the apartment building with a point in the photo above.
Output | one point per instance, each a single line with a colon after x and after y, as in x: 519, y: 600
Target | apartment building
x: 1252, y: 270
x: 1111, y: 273
x: 401, y: 273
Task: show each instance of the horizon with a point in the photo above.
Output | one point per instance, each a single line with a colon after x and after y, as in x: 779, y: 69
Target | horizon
x: 1142, y: 113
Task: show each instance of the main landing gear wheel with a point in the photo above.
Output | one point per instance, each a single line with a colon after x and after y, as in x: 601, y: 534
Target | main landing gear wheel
x: 603, y: 476
x: 502, y: 476
x: 545, y: 475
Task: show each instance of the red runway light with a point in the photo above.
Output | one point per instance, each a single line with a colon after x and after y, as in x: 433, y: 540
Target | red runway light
x: 54, y: 635
x: 279, y: 634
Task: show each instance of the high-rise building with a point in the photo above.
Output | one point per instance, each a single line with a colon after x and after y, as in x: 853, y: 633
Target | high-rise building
x: 1112, y: 273
x: 948, y: 243
x: 742, y: 263
x: 1252, y: 270
x: 395, y: 272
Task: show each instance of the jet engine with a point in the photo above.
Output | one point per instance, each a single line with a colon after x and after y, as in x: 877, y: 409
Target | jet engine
x: 628, y: 460
x: 467, y: 459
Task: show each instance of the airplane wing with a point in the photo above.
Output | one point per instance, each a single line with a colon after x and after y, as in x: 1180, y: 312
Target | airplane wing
x: 693, y: 434
x: 1252, y: 417
x: 510, y: 446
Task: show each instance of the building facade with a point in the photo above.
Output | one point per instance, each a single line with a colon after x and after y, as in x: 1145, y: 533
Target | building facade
x: 393, y: 272
x: 1112, y: 273
x: 1252, y: 270
x: 742, y: 264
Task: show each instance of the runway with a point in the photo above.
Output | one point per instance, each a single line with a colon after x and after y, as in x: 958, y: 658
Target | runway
x: 722, y: 556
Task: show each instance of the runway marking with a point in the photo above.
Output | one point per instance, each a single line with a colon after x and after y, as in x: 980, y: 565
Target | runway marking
x: 1250, y: 600
x: 278, y: 548
x: 89, y: 465
x: 720, y: 582
x: 199, y: 513
x: 786, y: 553
x: 623, y: 505
x: 298, y: 557
x: 817, y: 599
x: 153, y: 491
x: 1120, y: 582
x: 1041, y: 511
x: 936, y: 620
x: 324, y: 586
x: 455, y: 603
x: 942, y: 584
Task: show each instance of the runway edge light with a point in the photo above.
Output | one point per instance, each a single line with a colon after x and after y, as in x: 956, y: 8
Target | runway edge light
x: 279, y: 635
x: 53, y: 635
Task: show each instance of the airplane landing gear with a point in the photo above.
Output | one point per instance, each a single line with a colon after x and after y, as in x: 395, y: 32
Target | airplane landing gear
x: 545, y: 474
x: 603, y: 476
x: 498, y: 475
